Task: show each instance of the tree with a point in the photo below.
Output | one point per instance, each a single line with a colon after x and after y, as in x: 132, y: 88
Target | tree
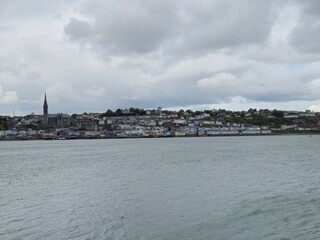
x: 277, y: 113
x: 4, y: 123
x: 109, y: 112
x: 181, y: 113
x: 118, y: 112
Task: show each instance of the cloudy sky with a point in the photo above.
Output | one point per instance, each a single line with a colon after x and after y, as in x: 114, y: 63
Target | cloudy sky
x: 94, y: 55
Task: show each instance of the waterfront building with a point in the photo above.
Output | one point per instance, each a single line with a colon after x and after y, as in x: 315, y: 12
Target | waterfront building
x: 54, y: 120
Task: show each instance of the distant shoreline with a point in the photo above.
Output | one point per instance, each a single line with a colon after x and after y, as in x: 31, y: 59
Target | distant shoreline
x: 153, y: 137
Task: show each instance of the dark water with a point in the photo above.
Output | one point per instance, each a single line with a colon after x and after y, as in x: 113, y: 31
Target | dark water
x: 186, y: 188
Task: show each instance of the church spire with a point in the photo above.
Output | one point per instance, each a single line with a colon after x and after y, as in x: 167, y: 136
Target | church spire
x: 45, y: 109
x: 45, y: 99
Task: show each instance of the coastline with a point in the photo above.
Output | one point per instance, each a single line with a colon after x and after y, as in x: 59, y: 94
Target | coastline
x: 152, y: 137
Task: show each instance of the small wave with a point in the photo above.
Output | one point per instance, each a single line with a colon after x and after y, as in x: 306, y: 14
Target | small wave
x: 255, y: 212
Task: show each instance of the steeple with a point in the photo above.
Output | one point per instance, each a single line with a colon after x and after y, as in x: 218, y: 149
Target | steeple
x: 45, y: 110
x: 45, y: 99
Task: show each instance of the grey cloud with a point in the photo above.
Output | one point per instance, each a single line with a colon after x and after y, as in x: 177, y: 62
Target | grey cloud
x: 253, y: 81
x: 27, y: 9
x: 309, y: 7
x: 7, y: 97
x: 183, y: 26
x: 131, y: 27
x: 306, y: 34
x: 227, y: 24
x: 5, y: 29
x: 79, y: 30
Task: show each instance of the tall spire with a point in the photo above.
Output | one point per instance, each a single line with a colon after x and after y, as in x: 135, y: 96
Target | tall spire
x: 45, y: 98
x: 45, y: 110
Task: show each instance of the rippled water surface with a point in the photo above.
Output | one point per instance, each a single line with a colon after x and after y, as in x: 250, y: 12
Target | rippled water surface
x: 176, y: 188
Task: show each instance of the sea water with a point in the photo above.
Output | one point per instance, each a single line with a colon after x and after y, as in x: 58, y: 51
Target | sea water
x: 263, y: 187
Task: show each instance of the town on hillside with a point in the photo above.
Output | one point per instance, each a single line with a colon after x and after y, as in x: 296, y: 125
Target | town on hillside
x: 135, y: 122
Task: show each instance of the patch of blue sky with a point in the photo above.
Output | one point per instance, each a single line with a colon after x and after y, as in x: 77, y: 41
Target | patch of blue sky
x: 294, y: 68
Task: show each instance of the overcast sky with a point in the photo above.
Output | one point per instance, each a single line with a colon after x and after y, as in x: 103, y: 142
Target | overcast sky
x: 94, y: 55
